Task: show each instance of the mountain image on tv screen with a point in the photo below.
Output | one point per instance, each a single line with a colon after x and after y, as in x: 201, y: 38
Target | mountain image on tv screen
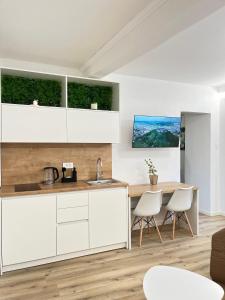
x: 156, y: 132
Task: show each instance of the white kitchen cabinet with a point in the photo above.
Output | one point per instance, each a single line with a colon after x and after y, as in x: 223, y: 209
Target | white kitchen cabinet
x: 26, y: 123
x: 28, y: 228
x: 38, y: 229
x: 72, y: 199
x: 72, y: 237
x: 72, y: 219
x: 108, y: 219
x: 72, y: 214
x: 90, y: 126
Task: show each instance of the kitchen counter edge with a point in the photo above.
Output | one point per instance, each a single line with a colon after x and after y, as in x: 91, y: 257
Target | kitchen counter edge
x: 9, y: 190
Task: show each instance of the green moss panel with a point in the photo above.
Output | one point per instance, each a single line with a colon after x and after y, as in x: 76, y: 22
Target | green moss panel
x: 21, y: 90
x: 82, y: 95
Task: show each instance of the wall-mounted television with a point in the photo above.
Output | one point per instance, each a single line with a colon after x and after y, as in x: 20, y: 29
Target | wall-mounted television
x: 156, y: 132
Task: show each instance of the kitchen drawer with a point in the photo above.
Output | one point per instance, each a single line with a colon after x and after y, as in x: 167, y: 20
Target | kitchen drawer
x: 72, y: 214
x: 72, y: 199
x: 72, y: 237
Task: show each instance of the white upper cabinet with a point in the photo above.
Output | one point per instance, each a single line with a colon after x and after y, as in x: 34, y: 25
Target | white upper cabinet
x: 23, y: 123
x: 65, y: 124
x: 87, y: 126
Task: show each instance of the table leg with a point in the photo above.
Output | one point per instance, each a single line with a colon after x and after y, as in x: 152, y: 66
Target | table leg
x: 129, y: 224
x: 193, y: 213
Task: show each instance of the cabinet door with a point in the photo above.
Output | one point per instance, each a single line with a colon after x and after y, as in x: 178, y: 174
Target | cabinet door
x: 24, y: 123
x: 87, y: 126
x: 108, y: 217
x: 28, y: 228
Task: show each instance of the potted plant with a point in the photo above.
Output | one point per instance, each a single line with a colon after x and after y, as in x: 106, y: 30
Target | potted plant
x: 152, y: 171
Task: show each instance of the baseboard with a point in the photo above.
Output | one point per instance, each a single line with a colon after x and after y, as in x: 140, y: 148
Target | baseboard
x: 212, y: 213
x: 63, y: 257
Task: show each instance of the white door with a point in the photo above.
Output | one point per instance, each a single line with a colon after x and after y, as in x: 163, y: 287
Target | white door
x: 24, y: 123
x: 28, y: 228
x: 87, y: 126
x: 108, y: 217
x: 197, y: 156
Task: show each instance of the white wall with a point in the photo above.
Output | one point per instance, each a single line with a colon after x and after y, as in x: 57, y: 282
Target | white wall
x: 38, y: 67
x: 155, y: 97
x: 222, y: 154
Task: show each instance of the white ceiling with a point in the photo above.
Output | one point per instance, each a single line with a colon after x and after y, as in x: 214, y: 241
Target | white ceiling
x: 63, y: 32
x: 100, y: 36
x: 196, y: 55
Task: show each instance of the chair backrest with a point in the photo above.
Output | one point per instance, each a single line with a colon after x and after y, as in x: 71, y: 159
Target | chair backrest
x: 181, y: 199
x: 149, y: 204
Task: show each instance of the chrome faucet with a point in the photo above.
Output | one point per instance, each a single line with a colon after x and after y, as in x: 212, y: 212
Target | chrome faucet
x: 99, y: 172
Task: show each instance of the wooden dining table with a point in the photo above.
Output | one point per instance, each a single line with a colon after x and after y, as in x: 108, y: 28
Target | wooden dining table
x: 167, y: 188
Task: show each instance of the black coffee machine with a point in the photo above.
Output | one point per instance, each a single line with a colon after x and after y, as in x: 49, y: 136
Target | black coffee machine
x: 69, y: 173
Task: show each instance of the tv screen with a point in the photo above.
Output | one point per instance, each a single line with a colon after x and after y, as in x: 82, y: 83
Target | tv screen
x: 156, y: 132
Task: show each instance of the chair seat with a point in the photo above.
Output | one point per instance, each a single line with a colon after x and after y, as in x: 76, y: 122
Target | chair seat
x: 180, y: 209
x: 143, y: 214
x: 162, y: 282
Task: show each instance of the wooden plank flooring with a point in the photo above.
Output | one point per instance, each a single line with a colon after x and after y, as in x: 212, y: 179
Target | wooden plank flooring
x: 115, y: 274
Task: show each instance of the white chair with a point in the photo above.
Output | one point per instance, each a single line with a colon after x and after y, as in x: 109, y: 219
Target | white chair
x: 162, y: 282
x: 179, y: 203
x: 148, y: 206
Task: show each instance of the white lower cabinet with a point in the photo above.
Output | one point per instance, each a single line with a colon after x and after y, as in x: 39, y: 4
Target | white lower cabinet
x: 72, y: 237
x: 46, y: 226
x: 72, y: 219
x: 108, y: 219
x: 28, y: 228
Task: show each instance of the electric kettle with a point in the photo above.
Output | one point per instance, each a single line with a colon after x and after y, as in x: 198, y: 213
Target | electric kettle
x: 51, y: 174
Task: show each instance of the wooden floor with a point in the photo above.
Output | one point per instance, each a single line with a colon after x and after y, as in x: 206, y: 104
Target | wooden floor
x: 115, y: 274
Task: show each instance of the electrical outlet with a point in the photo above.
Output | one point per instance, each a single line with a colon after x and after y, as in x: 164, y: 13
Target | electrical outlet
x: 68, y: 165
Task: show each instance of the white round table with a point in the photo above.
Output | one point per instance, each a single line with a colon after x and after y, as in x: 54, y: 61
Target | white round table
x: 169, y: 283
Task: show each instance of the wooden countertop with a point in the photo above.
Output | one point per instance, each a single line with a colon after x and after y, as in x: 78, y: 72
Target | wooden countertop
x: 9, y: 190
x: 137, y: 190
x: 133, y: 190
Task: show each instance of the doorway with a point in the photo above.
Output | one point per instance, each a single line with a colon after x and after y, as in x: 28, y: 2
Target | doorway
x: 195, y: 154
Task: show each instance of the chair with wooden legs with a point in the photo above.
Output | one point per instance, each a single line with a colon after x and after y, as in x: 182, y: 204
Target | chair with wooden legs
x: 177, y: 207
x: 148, y: 206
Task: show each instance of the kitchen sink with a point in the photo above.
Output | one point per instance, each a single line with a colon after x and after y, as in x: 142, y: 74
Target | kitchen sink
x: 102, y: 181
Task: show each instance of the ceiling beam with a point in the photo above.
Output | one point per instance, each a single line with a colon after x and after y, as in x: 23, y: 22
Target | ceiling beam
x: 158, y: 22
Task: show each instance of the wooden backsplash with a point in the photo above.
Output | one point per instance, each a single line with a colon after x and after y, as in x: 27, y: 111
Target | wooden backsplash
x: 24, y: 163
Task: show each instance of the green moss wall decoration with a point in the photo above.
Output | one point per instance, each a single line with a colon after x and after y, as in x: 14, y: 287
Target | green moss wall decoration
x: 82, y: 95
x: 21, y: 90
